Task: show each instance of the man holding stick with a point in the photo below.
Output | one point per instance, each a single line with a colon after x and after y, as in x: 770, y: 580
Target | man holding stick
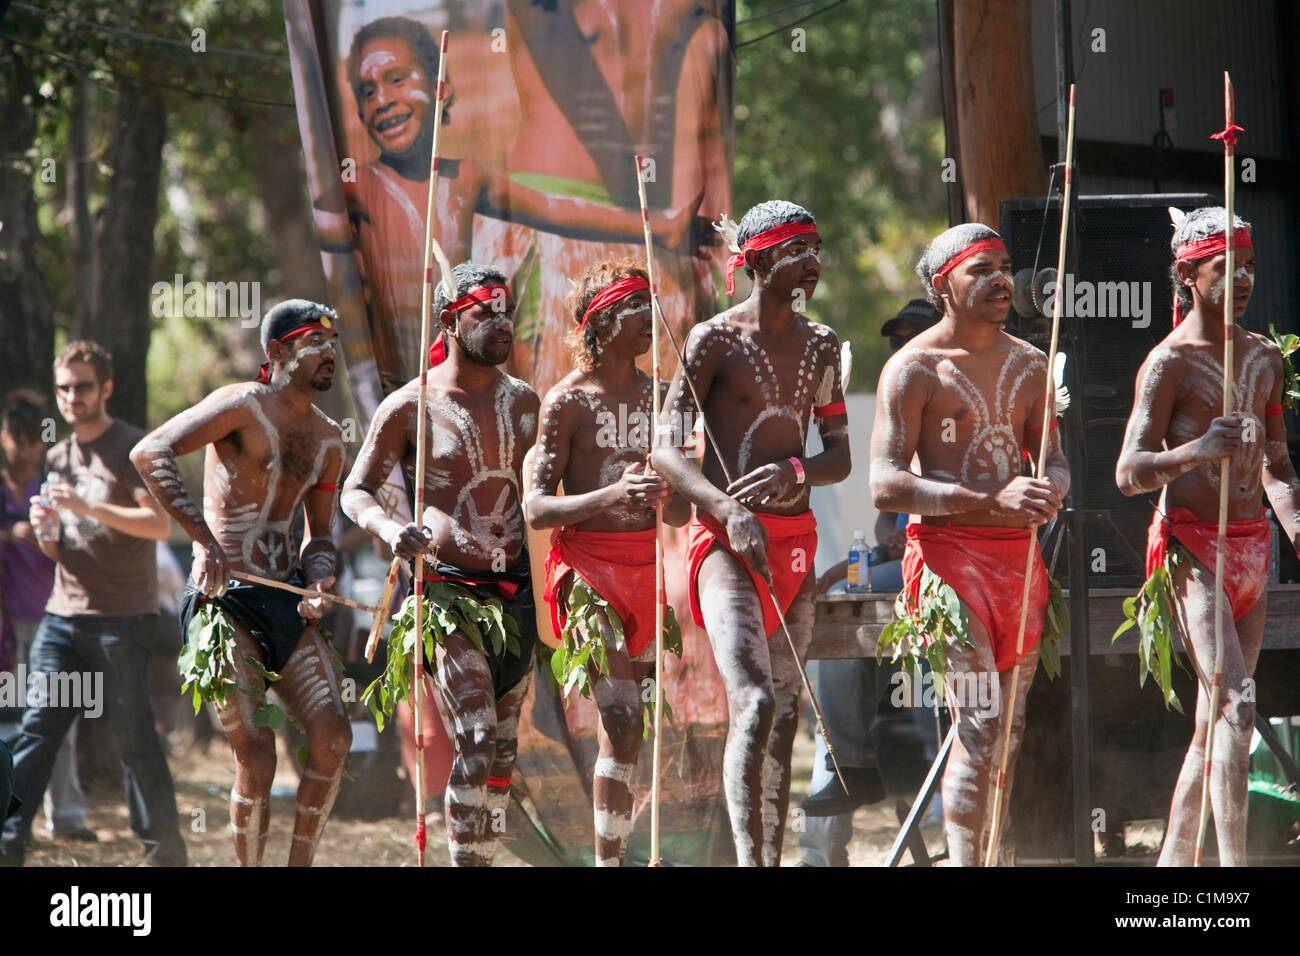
x: 965, y: 401
x: 269, y: 451
x: 595, y: 436
x: 480, y: 424
x: 758, y: 371
x: 1175, y: 441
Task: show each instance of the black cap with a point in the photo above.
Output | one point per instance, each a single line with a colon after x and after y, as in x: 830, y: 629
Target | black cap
x: 292, y: 314
x: 918, y: 312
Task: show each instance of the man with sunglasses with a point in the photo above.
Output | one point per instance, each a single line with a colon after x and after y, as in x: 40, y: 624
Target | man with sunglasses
x: 98, y: 522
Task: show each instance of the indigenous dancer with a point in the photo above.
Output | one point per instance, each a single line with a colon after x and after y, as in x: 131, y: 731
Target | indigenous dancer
x: 759, y: 369
x: 1178, y: 389
x: 481, y: 422
x: 965, y: 400
x: 269, y: 451
x: 595, y: 435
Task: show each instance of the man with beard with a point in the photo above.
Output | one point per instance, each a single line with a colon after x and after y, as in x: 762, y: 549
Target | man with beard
x: 97, y: 521
x: 269, y: 451
x: 760, y: 370
x: 480, y: 424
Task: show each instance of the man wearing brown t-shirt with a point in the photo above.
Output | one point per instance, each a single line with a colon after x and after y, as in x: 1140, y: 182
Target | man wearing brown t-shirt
x: 97, y: 521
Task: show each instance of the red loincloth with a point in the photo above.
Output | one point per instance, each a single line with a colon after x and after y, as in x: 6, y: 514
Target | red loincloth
x: 986, y: 567
x: 619, y: 565
x: 785, y: 535
x: 1245, y: 564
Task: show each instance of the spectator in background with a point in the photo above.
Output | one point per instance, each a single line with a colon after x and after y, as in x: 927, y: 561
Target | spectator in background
x: 26, y: 578
x: 99, y: 527
x: 849, y: 690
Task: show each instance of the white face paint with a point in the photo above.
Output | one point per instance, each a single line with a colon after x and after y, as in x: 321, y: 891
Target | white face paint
x: 980, y: 284
x: 376, y: 61
x: 799, y: 257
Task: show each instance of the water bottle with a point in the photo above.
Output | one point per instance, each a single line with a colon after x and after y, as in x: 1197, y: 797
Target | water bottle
x: 859, y: 557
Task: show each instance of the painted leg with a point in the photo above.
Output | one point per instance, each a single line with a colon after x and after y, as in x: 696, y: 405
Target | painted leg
x: 466, y: 686
x: 618, y: 695
x: 309, y: 687
x: 786, y: 686
x: 508, y: 709
x: 254, y: 750
x: 733, y: 619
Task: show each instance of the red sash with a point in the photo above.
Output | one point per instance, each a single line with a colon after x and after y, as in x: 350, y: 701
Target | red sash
x: 786, y: 534
x: 986, y: 567
x: 619, y: 565
x: 1245, y: 563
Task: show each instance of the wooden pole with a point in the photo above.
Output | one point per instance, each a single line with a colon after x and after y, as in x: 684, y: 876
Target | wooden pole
x: 660, y: 596
x: 302, y: 592
x: 1229, y: 137
x: 1049, y: 413
x: 421, y: 454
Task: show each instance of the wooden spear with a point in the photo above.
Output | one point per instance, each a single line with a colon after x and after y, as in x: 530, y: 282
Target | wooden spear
x: 1049, y: 413
x: 660, y: 598
x: 1229, y: 137
x: 431, y: 247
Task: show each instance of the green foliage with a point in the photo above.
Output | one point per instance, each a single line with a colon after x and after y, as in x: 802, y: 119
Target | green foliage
x: 851, y: 129
x: 207, y: 664
x: 939, y: 619
x: 448, y: 608
x: 1151, y: 611
x: 1290, y: 386
x: 1056, y: 625
x: 582, y: 655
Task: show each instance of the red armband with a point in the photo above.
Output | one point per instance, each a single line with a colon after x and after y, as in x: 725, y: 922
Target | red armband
x: 325, y: 486
x: 1273, y: 410
x: 828, y: 411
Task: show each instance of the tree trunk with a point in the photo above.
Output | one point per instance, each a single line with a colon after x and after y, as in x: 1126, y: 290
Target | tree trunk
x: 124, y: 263
x: 28, y: 326
x: 1001, y: 155
x: 83, y: 262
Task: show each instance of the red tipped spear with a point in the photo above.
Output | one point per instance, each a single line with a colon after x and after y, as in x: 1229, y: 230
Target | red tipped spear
x: 1229, y: 137
x: 431, y: 248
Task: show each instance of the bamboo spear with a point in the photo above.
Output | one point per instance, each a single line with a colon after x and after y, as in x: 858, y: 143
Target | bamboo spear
x: 1049, y: 413
x: 1229, y: 137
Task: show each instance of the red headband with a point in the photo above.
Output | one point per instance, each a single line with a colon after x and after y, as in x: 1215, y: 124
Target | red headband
x: 973, y: 249
x: 1204, y: 249
x: 483, y: 295
x: 773, y: 236
x: 613, y: 293
x: 321, y: 322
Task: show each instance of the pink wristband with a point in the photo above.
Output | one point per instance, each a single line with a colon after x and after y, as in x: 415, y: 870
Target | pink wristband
x: 799, y: 476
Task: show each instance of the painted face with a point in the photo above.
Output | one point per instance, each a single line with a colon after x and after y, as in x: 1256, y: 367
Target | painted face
x: 982, y: 285
x: 394, y: 95
x: 79, y: 393
x: 313, y: 353
x: 795, y: 264
x: 486, y: 331
x: 632, y: 327
x: 1211, y: 281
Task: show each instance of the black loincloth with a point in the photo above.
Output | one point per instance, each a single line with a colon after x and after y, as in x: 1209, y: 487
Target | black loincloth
x: 269, y: 614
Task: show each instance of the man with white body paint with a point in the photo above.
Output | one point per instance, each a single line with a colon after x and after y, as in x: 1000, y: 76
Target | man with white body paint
x: 965, y: 400
x: 760, y: 369
x: 1176, y: 439
x: 480, y: 424
x: 268, y: 451
x: 97, y: 521
x: 605, y: 521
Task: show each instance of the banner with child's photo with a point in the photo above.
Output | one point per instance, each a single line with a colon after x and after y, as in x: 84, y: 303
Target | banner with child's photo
x: 549, y: 103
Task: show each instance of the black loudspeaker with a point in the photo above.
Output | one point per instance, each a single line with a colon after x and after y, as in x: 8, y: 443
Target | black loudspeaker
x: 1117, y: 306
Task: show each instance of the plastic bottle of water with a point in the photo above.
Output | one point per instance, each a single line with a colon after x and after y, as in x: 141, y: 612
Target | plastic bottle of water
x: 859, y: 556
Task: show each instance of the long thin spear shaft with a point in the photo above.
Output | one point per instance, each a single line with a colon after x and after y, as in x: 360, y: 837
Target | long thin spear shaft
x: 301, y: 592
x: 659, y: 542
x: 803, y: 675
x: 1216, y: 686
x: 1049, y: 413
x: 421, y: 456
